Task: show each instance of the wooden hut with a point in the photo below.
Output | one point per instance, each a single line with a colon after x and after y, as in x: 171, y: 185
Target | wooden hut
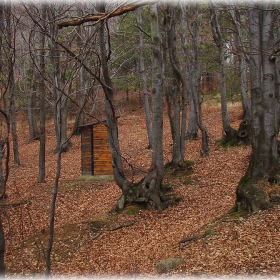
x: 96, y: 155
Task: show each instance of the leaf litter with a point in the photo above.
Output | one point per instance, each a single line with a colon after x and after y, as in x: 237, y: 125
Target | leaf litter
x: 84, y: 245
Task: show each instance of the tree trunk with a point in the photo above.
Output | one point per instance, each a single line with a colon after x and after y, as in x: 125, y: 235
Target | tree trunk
x: 193, y: 73
x: 192, y: 132
x: 155, y: 177
x: 196, y: 86
x: 243, y: 58
x: 11, y: 61
x: 253, y: 189
x: 81, y: 82
x: 229, y: 132
x: 31, y: 106
x: 144, y: 78
x: 59, y: 97
x: 41, y: 88
x: 174, y: 95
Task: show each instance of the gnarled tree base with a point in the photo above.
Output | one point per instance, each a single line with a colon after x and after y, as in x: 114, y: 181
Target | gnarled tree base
x: 233, y: 137
x: 147, y: 191
x: 151, y: 191
x: 253, y: 197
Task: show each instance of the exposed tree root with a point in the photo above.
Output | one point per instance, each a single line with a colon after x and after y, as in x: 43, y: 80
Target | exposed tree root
x: 208, y: 227
x: 128, y: 224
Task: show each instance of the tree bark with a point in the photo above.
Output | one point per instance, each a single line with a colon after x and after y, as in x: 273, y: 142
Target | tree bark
x: 193, y: 73
x: 176, y: 108
x: 31, y: 105
x: 246, y: 103
x: 264, y: 167
x: 81, y: 81
x: 41, y: 88
x: 144, y: 78
x: 11, y: 61
x: 196, y: 86
x: 229, y: 132
x: 57, y: 84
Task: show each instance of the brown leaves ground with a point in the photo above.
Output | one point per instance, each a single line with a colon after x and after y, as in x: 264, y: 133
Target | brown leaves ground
x: 83, y: 243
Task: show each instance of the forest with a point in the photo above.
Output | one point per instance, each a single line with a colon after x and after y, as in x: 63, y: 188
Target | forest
x: 185, y: 97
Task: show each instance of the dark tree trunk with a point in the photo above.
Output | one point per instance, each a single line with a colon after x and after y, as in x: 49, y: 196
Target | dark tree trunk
x: 31, y: 110
x: 229, y: 132
x: 57, y: 88
x: 41, y: 88
x: 253, y: 189
x: 81, y: 82
x: 11, y: 61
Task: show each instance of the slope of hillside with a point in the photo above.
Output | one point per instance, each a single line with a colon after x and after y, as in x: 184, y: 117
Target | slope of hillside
x: 92, y: 241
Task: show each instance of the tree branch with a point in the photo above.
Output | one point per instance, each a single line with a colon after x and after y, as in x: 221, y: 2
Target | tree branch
x: 96, y: 18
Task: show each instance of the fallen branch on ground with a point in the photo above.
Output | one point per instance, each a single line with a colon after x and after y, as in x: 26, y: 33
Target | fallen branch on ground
x: 192, y: 238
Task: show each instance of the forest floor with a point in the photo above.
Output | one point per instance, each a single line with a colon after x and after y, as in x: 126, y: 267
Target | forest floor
x: 92, y: 241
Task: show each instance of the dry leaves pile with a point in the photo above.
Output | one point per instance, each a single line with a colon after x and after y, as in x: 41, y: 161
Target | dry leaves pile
x: 85, y: 243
